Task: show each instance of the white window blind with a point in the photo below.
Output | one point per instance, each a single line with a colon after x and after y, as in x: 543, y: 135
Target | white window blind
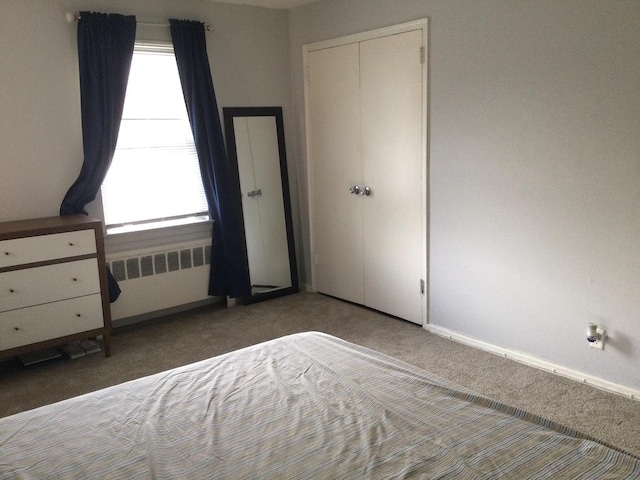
x: 154, y: 178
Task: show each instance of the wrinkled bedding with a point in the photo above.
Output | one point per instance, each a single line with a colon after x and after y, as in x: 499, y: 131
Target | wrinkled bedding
x: 302, y: 406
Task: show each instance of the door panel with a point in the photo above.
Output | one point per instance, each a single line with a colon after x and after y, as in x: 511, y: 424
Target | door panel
x: 366, y: 126
x: 392, y: 123
x: 334, y: 125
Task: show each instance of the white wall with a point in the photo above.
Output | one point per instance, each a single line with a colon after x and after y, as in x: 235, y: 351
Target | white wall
x: 40, y: 130
x: 534, y: 169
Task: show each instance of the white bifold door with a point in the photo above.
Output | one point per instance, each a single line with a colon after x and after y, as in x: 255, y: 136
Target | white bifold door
x: 366, y: 134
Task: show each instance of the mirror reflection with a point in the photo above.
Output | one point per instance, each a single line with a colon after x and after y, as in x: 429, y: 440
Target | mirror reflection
x: 255, y: 142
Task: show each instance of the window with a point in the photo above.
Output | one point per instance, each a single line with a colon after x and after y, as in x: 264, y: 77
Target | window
x: 154, y: 178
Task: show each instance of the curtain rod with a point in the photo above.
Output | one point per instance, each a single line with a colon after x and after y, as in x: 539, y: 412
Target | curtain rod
x: 75, y: 16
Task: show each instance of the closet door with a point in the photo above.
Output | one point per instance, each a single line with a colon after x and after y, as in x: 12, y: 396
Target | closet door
x: 394, y: 215
x: 335, y: 163
x: 366, y: 127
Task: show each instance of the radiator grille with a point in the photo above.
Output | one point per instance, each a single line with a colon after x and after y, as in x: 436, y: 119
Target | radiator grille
x: 159, y: 263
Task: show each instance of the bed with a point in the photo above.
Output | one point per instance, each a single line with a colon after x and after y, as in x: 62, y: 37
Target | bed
x: 307, y: 405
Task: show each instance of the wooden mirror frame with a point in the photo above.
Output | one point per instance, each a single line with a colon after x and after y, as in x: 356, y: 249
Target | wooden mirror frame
x: 229, y: 114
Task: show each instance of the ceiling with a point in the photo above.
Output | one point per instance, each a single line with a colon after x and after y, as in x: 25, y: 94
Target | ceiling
x: 269, y: 3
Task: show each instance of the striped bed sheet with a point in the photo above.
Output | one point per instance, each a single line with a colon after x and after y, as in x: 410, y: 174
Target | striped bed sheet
x: 302, y: 406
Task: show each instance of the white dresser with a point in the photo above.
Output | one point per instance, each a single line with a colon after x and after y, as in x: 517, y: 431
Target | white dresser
x: 53, y: 284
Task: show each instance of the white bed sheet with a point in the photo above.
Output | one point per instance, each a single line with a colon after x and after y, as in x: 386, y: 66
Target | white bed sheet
x: 303, y: 406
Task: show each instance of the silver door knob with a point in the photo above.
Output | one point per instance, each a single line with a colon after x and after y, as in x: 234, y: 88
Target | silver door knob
x: 355, y: 190
x: 366, y: 191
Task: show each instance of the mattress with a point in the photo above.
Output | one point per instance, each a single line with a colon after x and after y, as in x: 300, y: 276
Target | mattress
x: 302, y: 406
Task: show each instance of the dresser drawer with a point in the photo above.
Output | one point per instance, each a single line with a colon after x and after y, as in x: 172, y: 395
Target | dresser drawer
x: 43, y: 322
x: 60, y: 281
x: 18, y: 251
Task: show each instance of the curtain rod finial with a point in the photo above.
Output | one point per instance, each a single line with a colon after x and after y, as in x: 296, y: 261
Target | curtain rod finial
x: 72, y: 16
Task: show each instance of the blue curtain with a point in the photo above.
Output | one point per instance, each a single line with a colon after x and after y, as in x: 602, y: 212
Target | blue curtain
x: 229, y: 273
x: 105, y: 50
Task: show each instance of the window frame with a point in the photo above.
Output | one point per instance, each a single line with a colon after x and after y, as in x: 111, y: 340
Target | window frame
x: 187, y: 224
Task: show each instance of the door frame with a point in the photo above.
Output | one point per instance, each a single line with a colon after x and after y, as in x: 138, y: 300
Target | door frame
x: 420, y: 24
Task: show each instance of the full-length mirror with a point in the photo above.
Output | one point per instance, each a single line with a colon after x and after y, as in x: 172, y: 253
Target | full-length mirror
x: 255, y: 143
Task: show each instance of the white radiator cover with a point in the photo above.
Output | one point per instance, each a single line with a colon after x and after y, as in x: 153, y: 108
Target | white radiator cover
x: 160, y: 279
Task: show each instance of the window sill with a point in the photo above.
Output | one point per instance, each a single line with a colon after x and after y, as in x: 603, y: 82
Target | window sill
x: 155, y: 236
x: 158, y: 225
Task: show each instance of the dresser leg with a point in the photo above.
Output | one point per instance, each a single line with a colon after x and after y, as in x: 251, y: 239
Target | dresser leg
x: 106, y: 338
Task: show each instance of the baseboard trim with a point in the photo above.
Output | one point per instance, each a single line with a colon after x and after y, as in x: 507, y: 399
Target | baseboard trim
x: 125, y: 322
x: 535, y: 362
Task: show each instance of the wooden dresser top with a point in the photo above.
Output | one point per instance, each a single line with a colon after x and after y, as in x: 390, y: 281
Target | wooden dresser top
x: 43, y: 226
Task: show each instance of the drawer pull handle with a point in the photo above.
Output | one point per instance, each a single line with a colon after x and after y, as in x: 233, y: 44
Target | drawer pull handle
x: 71, y: 244
x: 16, y: 328
x: 78, y: 314
x: 7, y: 253
x: 11, y: 290
x: 74, y: 279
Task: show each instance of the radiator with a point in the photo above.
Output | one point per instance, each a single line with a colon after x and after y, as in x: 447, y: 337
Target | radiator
x: 157, y: 280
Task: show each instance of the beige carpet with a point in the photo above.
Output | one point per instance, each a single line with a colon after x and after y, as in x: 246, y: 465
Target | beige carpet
x: 157, y: 345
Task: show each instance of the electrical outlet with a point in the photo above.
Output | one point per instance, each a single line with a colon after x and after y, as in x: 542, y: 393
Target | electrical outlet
x: 599, y: 344
x: 600, y: 336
